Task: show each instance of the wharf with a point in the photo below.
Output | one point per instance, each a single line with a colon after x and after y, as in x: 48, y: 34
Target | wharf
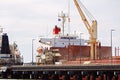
x: 62, y: 72
x: 74, y: 67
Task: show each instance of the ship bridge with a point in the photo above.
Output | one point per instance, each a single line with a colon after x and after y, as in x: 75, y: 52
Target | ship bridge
x: 63, y: 41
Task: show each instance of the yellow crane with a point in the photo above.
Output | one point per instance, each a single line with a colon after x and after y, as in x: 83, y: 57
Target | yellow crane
x: 92, y: 29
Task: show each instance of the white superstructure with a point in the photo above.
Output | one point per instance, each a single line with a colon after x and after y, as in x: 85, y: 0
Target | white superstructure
x: 63, y: 41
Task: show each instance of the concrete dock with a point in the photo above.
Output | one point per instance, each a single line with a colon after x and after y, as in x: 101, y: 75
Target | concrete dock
x: 62, y: 72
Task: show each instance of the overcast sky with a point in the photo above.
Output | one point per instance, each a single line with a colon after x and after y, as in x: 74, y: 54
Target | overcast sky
x: 24, y: 20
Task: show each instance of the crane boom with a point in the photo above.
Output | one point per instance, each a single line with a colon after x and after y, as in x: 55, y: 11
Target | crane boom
x: 92, y: 29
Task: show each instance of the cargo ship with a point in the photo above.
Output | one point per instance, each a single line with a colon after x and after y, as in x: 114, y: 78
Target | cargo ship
x: 71, y: 47
x: 9, y: 53
x: 66, y: 57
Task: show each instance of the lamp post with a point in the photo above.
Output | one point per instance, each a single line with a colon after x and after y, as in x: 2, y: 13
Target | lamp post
x: 68, y: 46
x: 111, y: 43
x: 80, y: 46
x: 32, y: 50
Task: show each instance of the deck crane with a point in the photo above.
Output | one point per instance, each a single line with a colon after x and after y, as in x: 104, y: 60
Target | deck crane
x: 92, y: 29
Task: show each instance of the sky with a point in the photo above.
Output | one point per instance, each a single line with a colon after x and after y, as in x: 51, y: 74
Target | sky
x: 24, y: 20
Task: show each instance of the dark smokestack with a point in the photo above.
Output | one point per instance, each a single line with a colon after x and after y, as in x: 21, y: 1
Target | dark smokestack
x: 5, y: 49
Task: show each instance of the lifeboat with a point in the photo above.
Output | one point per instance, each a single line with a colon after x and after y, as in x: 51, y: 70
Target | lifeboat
x: 40, y: 50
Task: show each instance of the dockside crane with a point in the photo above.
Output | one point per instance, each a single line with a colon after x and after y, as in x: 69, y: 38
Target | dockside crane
x: 92, y: 29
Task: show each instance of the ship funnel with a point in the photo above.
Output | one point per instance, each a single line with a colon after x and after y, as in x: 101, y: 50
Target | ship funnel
x: 5, y: 49
x: 56, y: 30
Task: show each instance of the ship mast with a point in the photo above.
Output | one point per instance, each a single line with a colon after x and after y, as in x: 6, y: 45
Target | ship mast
x: 1, y: 30
x: 63, y: 16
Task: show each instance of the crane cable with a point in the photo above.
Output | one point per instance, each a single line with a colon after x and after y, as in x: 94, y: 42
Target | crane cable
x: 87, y: 13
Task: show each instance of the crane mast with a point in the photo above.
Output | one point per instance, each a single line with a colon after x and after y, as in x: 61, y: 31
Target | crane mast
x: 92, y: 29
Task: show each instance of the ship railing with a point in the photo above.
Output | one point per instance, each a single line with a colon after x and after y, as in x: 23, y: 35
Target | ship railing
x: 11, y: 61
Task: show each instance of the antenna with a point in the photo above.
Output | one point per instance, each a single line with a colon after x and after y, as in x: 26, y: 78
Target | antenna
x: 1, y: 29
x: 63, y: 16
x: 68, y: 16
